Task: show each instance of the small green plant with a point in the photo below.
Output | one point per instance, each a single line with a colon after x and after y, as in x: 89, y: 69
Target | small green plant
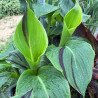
x: 42, y: 69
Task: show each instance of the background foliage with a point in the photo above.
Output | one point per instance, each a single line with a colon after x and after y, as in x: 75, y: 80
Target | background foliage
x: 10, y: 7
x: 90, y: 7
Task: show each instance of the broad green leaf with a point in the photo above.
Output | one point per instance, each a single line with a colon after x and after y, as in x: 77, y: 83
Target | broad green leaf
x: 80, y: 39
x: 43, y: 9
x: 6, y: 53
x: 75, y: 61
x: 4, y: 76
x: 30, y: 38
x: 4, y: 64
x: 17, y: 60
x: 48, y: 83
x: 66, y: 5
x: 6, y: 91
x: 85, y: 17
x: 72, y: 19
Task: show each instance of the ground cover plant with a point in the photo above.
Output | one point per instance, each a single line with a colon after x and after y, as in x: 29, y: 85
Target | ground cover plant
x: 47, y: 60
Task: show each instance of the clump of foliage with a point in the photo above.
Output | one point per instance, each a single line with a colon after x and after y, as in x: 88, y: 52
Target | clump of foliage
x: 10, y: 7
x: 48, y: 60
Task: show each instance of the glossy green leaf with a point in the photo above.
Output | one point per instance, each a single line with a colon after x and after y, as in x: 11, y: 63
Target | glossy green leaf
x: 72, y: 19
x: 43, y: 9
x: 30, y: 38
x: 48, y: 83
x: 4, y: 76
x: 75, y: 61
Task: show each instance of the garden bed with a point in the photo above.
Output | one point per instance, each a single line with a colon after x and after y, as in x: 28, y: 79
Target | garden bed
x: 7, y: 27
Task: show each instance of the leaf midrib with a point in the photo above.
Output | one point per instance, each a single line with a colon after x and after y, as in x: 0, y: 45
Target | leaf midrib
x: 40, y: 80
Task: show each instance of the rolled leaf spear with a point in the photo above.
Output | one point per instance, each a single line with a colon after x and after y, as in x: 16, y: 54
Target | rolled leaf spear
x: 71, y: 21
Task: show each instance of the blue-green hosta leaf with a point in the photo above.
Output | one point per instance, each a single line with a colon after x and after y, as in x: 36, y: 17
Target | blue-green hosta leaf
x: 43, y: 9
x: 4, y: 76
x: 16, y: 59
x: 30, y: 37
x: 72, y: 19
x: 75, y: 61
x: 48, y: 83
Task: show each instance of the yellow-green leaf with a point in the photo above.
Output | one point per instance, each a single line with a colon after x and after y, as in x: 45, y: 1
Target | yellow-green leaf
x: 72, y: 19
x: 30, y: 37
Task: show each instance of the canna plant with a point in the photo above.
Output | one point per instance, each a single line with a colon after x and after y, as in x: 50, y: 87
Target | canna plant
x: 70, y: 63
x: 31, y: 39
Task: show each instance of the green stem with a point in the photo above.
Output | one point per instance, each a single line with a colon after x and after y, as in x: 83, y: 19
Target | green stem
x: 49, y: 23
x: 83, y: 96
x: 64, y: 38
x: 14, y: 75
x: 35, y: 68
x: 66, y: 35
x: 34, y: 65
